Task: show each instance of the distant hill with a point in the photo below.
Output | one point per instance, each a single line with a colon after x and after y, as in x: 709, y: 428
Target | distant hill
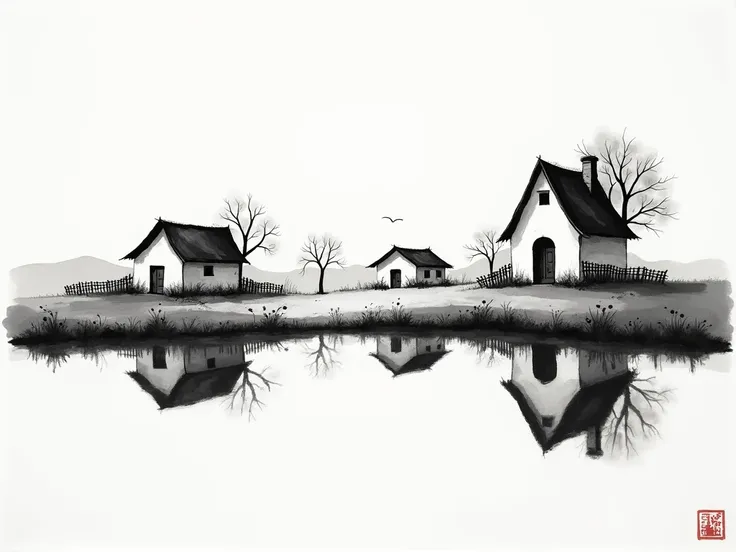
x: 50, y: 278
x: 703, y: 269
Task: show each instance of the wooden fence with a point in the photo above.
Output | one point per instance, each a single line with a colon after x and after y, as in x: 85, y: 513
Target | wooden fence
x: 109, y: 286
x: 251, y: 286
x: 594, y: 272
x: 498, y: 278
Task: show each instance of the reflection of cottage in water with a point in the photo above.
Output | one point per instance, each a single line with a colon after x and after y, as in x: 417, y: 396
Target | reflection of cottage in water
x: 188, y: 375
x: 401, y: 355
x: 565, y: 392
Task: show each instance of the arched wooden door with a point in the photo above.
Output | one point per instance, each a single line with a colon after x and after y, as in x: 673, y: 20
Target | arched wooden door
x: 543, y: 252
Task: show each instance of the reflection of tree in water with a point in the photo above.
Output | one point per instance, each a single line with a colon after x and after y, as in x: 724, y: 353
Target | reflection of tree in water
x: 321, y: 359
x: 634, y: 413
x: 246, y: 392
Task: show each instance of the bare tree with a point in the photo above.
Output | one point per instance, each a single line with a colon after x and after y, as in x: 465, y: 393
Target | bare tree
x: 251, y: 383
x: 485, y: 245
x: 322, y: 251
x: 322, y: 359
x: 634, y: 186
x: 639, y: 397
x: 256, y: 230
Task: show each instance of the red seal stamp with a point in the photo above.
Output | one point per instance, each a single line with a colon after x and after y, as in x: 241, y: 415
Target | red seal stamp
x: 711, y: 524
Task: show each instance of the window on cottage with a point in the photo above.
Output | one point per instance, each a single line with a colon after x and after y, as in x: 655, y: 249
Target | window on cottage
x: 438, y: 273
x: 395, y: 344
x: 159, y: 357
x: 210, y: 363
x: 426, y: 274
x: 428, y: 348
x: 544, y: 198
x: 209, y: 270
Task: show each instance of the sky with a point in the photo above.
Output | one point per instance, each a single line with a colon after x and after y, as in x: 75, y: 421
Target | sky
x: 334, y: 114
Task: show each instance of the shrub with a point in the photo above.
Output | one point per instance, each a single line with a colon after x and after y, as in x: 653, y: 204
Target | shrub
x: 601, y: 321
x: 200, y: 290
x: 336, y: 319
x: 520, y: 279
x: 157, y: 323
x: 274, y: 319
x: 371, y: 316
x: 399, y: 315
x: 569, y: 278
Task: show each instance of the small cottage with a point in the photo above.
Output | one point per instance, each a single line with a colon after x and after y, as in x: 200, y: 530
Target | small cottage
x: 174, y: 254
x: 402, y: 355
x: 563, y: 393
x: 184, y: 376
x: 564, y: 217
x: 401, y: 264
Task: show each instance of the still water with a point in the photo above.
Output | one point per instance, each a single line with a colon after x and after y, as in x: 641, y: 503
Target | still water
x: 379, y: 440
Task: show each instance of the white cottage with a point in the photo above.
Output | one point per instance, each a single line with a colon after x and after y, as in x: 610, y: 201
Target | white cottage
x: 402, y: 263
x: 188, y: 375
x: 564, y: 218
x: 563, y: 393
x: 402, y: 355
x: 174, y: 254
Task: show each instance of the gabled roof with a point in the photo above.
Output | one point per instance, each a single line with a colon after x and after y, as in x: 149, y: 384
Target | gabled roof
x: 417, y: 257
x: 192, y: 243
x: 589, y: 211
x: 194, y: 387
x: 422, y: 361
x: 590, y: 407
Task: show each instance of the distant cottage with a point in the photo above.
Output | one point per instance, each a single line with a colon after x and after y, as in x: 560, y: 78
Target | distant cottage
x: 174, y: 254
x: 402, y: 263
x: 564, y: 218
x: 402, y: 355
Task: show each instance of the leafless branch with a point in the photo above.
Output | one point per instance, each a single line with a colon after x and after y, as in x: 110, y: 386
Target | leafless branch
x: 256, y: 231
x: 484, y: 245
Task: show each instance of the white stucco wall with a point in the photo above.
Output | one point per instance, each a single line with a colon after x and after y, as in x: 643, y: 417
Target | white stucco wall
x: 195, y: 359
x: 548, y: 221
x: 547, y: 399
x: 159, y: 253
x: 396, y: 261
x: 162, y: 379
x: 223, y: 274
x: 597, y: 249
x: 399, y: 358
x: 432, y: 274
x: 435, y: 344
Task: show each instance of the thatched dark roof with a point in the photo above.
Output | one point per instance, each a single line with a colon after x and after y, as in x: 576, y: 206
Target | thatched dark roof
x: 589, y: 407
x: 589, y: 211
x: 192, y: 243
x: 194, y: 387
x: 418, y: 257
x: 423, y: 361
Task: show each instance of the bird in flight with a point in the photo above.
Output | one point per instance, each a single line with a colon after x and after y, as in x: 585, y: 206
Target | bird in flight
x: 392, y: 219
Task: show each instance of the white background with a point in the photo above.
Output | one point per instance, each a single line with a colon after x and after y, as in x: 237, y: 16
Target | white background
x: 336, y: 113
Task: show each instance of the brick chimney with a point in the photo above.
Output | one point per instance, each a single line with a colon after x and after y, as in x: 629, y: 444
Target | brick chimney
x: 590, y: 170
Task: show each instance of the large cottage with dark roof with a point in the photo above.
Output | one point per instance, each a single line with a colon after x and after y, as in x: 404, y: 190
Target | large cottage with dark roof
x: 564, y: 218
x: 174, y: 254
x: 401, y: 264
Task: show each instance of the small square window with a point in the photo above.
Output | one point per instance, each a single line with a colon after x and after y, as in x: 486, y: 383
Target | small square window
x: 427, y: 274
x: 395, y: 344
x: 210, y: 363
x: 544, y: 198
x: 428, y: 348
x: 439, y: 346
x: 209, y: 270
